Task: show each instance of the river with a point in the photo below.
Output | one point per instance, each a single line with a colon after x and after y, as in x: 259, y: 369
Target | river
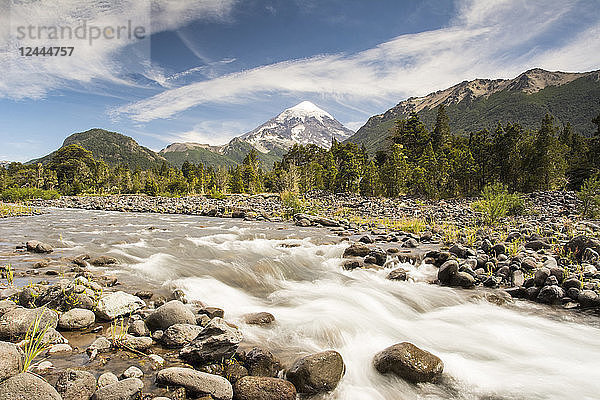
x: 515, y: 351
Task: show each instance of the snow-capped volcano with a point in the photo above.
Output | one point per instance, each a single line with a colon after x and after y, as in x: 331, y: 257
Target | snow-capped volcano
x: 304, y: 123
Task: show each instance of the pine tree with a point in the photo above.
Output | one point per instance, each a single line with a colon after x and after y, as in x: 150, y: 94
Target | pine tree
x: 441, y: 135
x: 412, y: 134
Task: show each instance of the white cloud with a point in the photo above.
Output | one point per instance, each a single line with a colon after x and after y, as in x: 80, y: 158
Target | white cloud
x: 486, y: 39
x: 107, y: 61
x: 215, y: 132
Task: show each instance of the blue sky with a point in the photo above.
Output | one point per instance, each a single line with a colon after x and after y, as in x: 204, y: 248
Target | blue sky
x: 214, y: 69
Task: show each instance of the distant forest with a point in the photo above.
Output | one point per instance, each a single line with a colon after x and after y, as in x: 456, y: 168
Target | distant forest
x: 430, y: 163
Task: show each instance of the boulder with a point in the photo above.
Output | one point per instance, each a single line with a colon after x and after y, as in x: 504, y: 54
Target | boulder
x: 260, y: 362
x: 75, y: 385
x: 317, y: 373
x: 196, y: 382
x: 578, y: 244
x: 26, y: 386
x: 11, y: 360
x: 103, y: 261
x: 139, y: 328
x: 399, y: 274
x: 537, y: 245
x: 107, y: 378
x: 38, y: 247
x: 462, y: 279
x: 127, y: 389
x: 378, y: 255
x: 117, y: 304
x: 15, y: 323
x: 259, y: 318
x: 409, y: 362
x: 588, y: 298
x: 179, y: 335
x: 77, y: 318
x: 540, y: 276
x: 171, y: 313
x: 357, y: 250
x: 550, y: 294
x: 263, y: 388
x: 139, y: 343
x: 447, y: 271
x: 217, y: 341
x: 132, y: 372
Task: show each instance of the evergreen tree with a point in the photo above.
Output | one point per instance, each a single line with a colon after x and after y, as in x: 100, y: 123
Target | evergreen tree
x: 412, y: 134
x: 441, y: 135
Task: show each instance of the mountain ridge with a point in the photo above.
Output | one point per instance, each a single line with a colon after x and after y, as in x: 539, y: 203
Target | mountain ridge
x: 482, y: 103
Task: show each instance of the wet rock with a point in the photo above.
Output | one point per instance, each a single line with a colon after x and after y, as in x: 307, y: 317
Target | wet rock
x: 107, y: 378
x: 38, y: 247
x: 100, y: 345
x: 410, y: 244
x: 59, y: 348
x: 317, y: 373
x: 127, y: 389
x: 550, y: 294
x: 459, y: 250
x: 498, y: 249
x: 378, y: 255
x: 77, y: 318
x: 259, y: 318
x: 75, y: 385
x: 399, y: 274
x: 212, y: 312
x: 351, y: 264
x: 588, y: 298
x: 196, y: 382
x: 409, y: 362
x: 103, y: 261
x: 138, y: 328
x: 234, y: 371
x: 132, y: 372
x: 462, y: 279
x: 357, y: 250
x: 15, y: 323
x: 117, y: 304
x: 156, y: 361
x: 179, y: 335
x: 171, y: 313
x: 11, y: 360
x: 27, y: 297
x: 541, y: 274
x: 261, y: 362
x: 144, y: 294
x: 139, y: 343
x: 217, y: 341
x: 366, y: 239
x: 519, y: 292
x: 447, y: 271
x: 26, y: 386
x: 263, y: 388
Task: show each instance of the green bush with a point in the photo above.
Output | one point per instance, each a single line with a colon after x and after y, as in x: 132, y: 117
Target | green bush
x: 496, y: 203
x: 589, y: 195
x: 13, y: 195
x: 214, y: 193
x: 291, y: 204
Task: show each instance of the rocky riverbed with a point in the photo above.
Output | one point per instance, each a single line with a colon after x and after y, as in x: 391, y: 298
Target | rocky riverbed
x: 116, y: 334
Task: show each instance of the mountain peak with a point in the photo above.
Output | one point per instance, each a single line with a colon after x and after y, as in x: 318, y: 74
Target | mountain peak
x: 305, y: 123
x: 304, y: 110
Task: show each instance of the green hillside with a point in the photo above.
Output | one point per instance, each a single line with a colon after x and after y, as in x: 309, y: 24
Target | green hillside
x: 112, y: 148
x: 577, y: 102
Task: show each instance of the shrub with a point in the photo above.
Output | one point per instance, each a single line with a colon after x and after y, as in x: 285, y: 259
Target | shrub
x: 291, y: 204
x: 151, y: 187
x: 496, y: 203
x: 14, y: 195
x: 589, y: 195
x: 216, y: 194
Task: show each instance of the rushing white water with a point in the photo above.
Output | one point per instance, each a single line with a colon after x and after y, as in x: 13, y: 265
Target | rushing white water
x: 515, y: 351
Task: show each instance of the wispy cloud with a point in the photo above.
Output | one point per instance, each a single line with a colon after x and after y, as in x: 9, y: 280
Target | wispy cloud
x: 486, y: 39
x: 107, y: 61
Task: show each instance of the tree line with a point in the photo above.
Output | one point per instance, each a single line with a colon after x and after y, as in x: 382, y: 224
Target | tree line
x: 431, y: 163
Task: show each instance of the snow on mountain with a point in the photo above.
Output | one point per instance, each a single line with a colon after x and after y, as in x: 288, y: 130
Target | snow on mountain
x: 304, y: 123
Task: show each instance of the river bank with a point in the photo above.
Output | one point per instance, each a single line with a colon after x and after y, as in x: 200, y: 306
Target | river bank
x: 321, y: 295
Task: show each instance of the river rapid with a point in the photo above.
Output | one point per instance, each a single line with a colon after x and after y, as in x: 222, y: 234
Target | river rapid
x: 514, y: 351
